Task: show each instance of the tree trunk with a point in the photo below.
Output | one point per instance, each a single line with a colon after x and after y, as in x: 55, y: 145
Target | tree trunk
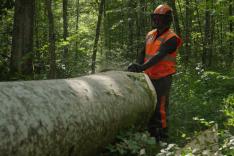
x: 230, y: 61
x: 207, y: 36
x: 77, y: 27
x: 65, y: 33
x: 199, y: 39
x: 140, y: 26
x: 221, y: 32
x: 199, y: 20
x: 107, y: 32
x: 122, y: 24
x: 130, y: 31
x: 181, y: 14
x: 187, y: 32
x: 74, y: 116
x: 37, y: 54
x: 212, y: 35
x: 98, y: 27
x: 175, y: 17
x: 52, y: 58
x: 22, y: 41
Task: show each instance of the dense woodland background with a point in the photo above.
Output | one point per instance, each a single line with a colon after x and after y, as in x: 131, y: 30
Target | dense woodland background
x: 47, y: 39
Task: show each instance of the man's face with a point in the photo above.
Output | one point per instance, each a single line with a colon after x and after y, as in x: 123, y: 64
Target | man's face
x: 157, y: 21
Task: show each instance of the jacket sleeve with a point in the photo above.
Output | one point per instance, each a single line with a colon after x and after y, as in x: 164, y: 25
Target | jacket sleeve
x: 141, y: 56
x: 166, y: 48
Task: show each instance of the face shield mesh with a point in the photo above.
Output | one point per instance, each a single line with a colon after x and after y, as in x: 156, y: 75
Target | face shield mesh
x: 161, y: 20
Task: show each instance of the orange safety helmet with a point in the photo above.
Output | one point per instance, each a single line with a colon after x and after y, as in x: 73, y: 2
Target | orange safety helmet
x: 163, y: 9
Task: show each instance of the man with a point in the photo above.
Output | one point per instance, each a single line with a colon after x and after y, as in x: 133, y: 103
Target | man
x: 158, y: 61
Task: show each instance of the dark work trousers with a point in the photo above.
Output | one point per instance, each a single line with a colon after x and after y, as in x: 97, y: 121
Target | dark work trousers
x: 158, y: 123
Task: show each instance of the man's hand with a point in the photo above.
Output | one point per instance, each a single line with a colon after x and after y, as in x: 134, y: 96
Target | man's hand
x: 134, y: 67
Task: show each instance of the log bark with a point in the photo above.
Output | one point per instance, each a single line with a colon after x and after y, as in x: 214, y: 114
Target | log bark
x: 71, y: 116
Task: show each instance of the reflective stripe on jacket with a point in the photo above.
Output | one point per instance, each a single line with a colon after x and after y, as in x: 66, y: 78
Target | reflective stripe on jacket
x: 167, y: 65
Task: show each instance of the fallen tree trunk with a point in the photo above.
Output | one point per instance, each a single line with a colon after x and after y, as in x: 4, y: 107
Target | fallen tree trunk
x: 73, y: 116
x: 206, y: 143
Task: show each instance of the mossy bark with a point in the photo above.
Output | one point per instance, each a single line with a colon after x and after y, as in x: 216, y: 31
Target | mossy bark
x: 71, y: 116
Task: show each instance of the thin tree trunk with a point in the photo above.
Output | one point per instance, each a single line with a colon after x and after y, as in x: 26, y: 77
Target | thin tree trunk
x: 106, y: 31
x: 200, y: 42
x: 130, y: 28
x: 108, y: 39
x: 98, y: 27
x: 199, y: 20
x: 141, y: 22
x: 207, y: 36
x: 182, y: 19
x: 175, y: 17
x: 187, y: 32
x: 221, y: 30
x: 231, y: 31
x: 144, y: 21
x: 65, y: 33
x: 22, y: 41
x: 138, y: 28
x: 211, y: 40
x: 77, y: 27
x: 122, y: 24
x: 37, y: 69
x: 52, y: 57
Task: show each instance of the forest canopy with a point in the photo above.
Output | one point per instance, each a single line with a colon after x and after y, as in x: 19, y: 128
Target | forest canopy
x: 55, y: 39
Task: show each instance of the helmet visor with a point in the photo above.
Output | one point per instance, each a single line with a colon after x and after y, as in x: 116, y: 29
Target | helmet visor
x: 155, y: 17
x: 159, y: 21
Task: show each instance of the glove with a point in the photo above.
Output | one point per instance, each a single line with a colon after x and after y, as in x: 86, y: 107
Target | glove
x: 134, y: 67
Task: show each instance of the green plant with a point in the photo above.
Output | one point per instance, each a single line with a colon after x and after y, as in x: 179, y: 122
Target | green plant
x: 226, y: 143
x: 134, y: 143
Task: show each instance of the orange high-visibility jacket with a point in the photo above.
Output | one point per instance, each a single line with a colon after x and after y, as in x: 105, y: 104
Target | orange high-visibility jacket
x: 167, y: 65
